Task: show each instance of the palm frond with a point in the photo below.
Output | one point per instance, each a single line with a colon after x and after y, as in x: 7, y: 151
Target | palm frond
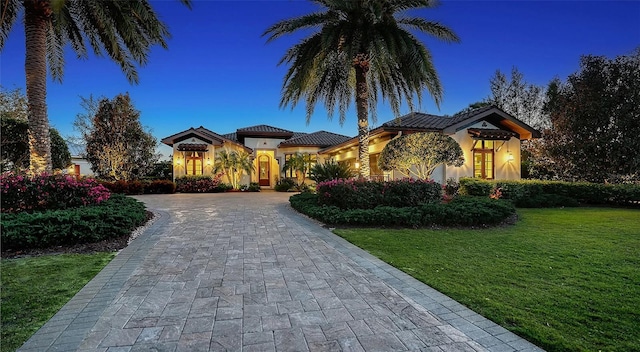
x: 8, y: 15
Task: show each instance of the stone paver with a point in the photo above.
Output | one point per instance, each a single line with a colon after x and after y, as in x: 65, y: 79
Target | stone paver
x: 244, y: 272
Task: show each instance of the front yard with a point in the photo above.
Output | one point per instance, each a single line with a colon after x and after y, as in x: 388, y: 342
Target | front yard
x: 564, y: 279
x: 35, y: 288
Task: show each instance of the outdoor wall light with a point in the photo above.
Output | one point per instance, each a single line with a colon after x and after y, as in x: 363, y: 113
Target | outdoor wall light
x: 178, y: 161
x: 357, y: 164
x: 208, y: 161
x: 510, y: 157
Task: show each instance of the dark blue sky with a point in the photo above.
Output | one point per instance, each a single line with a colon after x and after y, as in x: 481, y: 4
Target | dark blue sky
x: 219, y: 73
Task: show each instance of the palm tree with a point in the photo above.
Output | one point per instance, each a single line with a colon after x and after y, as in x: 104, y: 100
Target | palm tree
x: 125, y: 30
x: 224, y: 163
x: 300, y: 163
x: 233, y: 164
x: 242, y: 163
x: 360, y: 50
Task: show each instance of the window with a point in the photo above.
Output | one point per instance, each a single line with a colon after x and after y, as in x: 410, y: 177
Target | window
x: 194, y: 163
x: 483, y: 159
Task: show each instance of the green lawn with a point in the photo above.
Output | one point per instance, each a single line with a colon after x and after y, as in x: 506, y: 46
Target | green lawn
x: 34, y: 289
x: 564, y: 279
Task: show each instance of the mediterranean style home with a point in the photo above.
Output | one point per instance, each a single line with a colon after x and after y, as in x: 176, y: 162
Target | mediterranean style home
x: 489, y: 137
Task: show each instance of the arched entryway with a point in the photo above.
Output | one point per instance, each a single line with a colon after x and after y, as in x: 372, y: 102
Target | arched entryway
x: 264, y: 170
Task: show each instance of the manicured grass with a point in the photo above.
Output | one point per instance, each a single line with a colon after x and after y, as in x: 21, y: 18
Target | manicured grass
x: 564, y: 279
x: 35, y: 288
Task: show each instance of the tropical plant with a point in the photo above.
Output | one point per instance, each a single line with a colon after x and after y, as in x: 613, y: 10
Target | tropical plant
x: 300, y: 163
x: 420, y: 153
x: 118, y: 146
x: 331, y: 170
x: 361, y: 50
x: 124, y: 30
x: 233, y: 164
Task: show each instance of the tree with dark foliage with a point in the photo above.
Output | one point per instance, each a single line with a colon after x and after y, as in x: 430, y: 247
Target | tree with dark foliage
x: 118, y: 147
x: 595, y: 117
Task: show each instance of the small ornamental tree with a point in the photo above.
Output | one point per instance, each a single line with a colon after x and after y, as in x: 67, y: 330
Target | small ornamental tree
x: 118, y: 147
x: 418, y: 154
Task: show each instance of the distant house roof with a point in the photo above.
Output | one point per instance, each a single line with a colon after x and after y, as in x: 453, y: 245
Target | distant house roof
x: 76, y: 150
x: 316, y: 139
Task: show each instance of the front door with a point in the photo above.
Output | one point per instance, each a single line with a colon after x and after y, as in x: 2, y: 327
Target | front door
x: 264, y: 171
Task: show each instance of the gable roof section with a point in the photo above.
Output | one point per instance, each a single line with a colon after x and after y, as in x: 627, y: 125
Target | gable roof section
x: 203, y: 134
x: 316, y: 139
x: 495, y: 116
x: 263, y: 130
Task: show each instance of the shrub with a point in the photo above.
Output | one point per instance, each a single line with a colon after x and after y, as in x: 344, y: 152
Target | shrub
x: 160, y: 187
x: 200, y: 184
x: 528, y: 193
x: 462, y: 211
x: 331, y: 170
x: 113, y: 218
x: 285, y: 184
x: 362, y: 194
x: 253, y: 187
x: 47, y: 192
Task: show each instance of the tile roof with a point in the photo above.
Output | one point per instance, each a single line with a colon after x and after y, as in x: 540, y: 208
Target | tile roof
x: 418, y: 120
x: 231, y: 136
x: 262, y: 129
x: 192, y: 147
x: 316, y: 139
x: 491, y: 133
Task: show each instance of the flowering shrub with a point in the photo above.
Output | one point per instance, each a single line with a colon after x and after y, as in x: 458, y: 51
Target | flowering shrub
x: 21, y: 193
x: 200, y: 184
x: 362, y: 194
x: 496, y: 193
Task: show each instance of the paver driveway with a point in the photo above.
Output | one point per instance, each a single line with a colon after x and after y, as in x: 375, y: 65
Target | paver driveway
x: 242, y: 271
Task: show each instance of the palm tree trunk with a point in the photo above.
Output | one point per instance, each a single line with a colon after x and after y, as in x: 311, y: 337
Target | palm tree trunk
x: 361, y: 66
x: 36, y: 19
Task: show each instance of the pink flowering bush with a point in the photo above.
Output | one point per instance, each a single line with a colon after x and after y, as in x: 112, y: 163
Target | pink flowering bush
x: 362, y: 194
x: 43, y: 192
x: 200, y: 184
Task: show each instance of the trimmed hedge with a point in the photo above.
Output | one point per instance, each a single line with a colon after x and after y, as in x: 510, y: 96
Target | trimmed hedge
x: 113, y: 218
x: 363, y: 194
x: 462, y: 211
x: 536, y: 193
x: 201, y: 184
x: 140, y: 187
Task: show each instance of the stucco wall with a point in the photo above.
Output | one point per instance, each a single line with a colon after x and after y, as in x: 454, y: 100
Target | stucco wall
x: 504, y: 169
